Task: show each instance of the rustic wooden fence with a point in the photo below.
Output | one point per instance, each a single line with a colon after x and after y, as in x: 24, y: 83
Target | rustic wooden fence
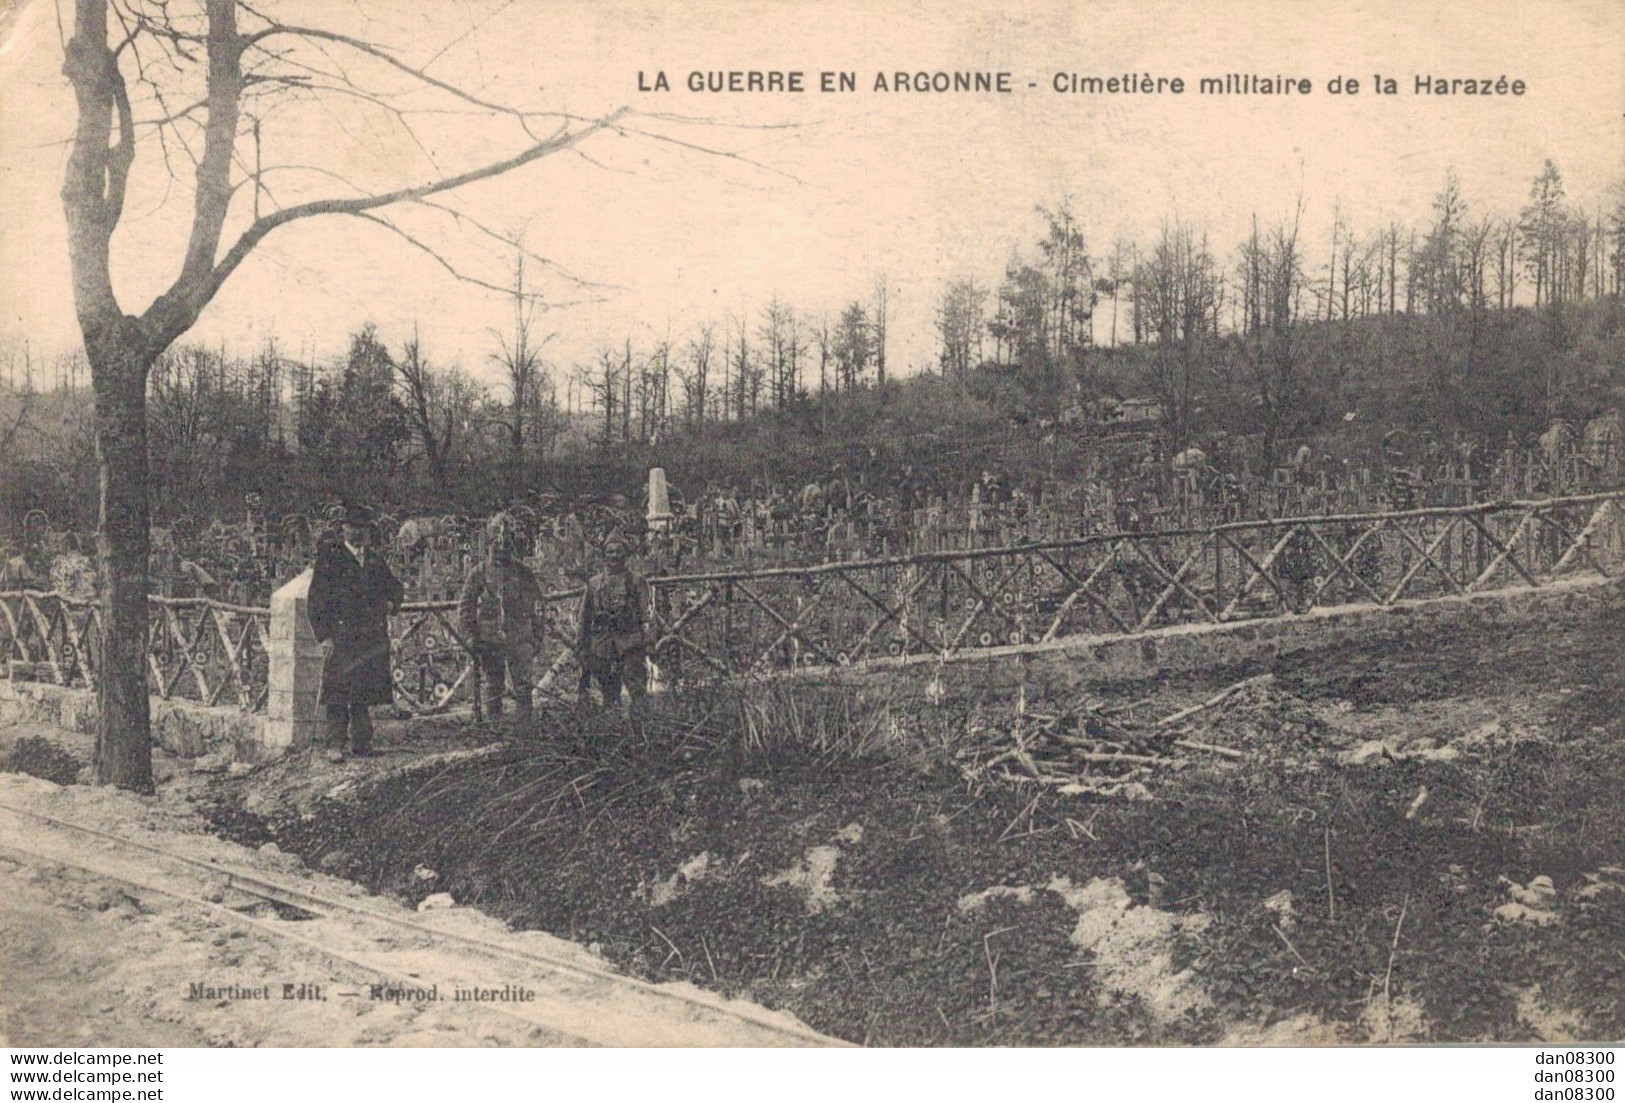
x: 208, y: 651
x: 941, y: 604
x: 739, y: 623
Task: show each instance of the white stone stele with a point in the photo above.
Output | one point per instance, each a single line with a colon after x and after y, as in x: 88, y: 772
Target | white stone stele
x: 659, y: 514
x: 292, y: 716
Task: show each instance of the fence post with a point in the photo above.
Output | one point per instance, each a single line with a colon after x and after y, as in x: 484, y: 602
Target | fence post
x: 292, y: 718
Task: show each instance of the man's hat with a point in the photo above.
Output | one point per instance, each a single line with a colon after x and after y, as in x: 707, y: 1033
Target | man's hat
x: 502, y: 531
x: 359, y: 516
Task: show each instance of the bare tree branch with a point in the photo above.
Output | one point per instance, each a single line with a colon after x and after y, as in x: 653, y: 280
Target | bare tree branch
x: 193, y: 290
x: 727, y: 154
x: 371, y: 50
x: 122, y: 156
x: 213, y: 197
x: 473, y: 28
x: 429, y: 251
x: 174, y: 116
x: 86, y: 59
x: 462, y: 218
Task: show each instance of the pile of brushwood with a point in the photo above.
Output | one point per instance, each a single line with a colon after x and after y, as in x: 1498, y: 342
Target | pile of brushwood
x: 1085, y: 745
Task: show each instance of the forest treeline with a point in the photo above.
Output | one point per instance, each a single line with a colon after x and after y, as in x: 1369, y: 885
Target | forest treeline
x: 1489, y: 324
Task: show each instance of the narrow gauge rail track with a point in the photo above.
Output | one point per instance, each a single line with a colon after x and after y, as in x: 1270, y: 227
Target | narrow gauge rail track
x: 672, y: 1017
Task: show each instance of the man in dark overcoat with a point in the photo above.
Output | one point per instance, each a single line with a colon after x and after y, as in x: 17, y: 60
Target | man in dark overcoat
x: 352, y: 593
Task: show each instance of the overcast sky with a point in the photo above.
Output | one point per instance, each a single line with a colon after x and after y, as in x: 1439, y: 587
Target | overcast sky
x: 920, y: 187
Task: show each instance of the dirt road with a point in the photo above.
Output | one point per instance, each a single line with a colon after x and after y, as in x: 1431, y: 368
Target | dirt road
x: 101, y: 944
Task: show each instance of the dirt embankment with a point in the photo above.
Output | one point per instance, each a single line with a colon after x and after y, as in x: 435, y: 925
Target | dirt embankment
x: 1418, y: 842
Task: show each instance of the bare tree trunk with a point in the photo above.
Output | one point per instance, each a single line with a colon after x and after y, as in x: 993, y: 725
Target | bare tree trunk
x: 118, y: 371
x: 626, y: 394
x: 882, y: 307
x: 120, y: 356
x: 1331, y: 271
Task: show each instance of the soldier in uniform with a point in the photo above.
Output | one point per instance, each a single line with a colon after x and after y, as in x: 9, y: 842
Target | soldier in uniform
x: 613, y: 641
x: 730, y: 522
x: 352, y: 593
x: 497, y: 616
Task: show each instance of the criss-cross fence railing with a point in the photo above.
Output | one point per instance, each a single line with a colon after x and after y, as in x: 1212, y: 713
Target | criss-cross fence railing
x: 945, y: 603
x: 201, y: 650
x: 941, y: 604
x: 216, y: 653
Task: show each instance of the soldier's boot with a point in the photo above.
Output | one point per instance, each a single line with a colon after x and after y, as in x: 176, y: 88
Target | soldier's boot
x: 520, y: 663
x: 635, y: 675
x: 609, y: 684
x: 492, y: 676
x: 335, y: 731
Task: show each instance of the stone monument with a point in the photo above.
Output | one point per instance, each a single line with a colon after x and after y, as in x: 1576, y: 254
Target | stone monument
x: 292, y: 716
